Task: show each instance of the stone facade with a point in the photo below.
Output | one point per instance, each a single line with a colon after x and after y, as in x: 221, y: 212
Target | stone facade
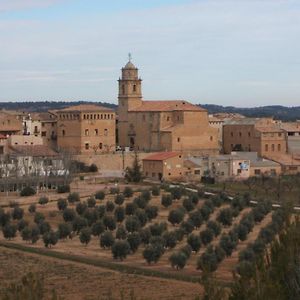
x: 86, y: 129
x: 160, y: 125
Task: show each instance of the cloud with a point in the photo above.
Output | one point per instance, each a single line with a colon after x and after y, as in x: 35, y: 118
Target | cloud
x: 15, y: 5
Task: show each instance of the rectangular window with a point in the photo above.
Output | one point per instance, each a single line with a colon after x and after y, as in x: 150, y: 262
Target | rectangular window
x: 86, y: 132
x: 279, y: 147
x: 257, y: 171
x: 96, y: 131
x: 105, y: 131
x: 87, y: 146
x: 44, y: 133
x: 266, y: 147
x: 197, y: 172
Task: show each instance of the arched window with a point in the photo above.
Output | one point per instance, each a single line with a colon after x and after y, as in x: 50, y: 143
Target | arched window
x: 123, y: 89
x: 63, y: 132
x: 134, y: 88
x: 84, y: 117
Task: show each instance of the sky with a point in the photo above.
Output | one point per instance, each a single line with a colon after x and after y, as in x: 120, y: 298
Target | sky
x: 243, y: 53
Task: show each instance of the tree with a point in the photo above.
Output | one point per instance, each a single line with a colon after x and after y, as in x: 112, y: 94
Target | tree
x: 151, y: 212
x: 17, y: 213
x: 140, y: 202
x: 69, y: 214
x: 179, y: 234
x: 132, y: 224
x: 109, y: 222
x: 79, y: 223
x: 208, y: 262
x: 106, y: 239
x: 93, y: 168
x: 4, y: 217
x: 188, y: 204
x: 64, y: 230
x: 119, y: 199
x: 98, y: 228
x: 242, y: 231
x: 225, y: 216
x: 206, y: 236
x: 110, y: 206
x: 38, y: 217
x: 130, y: 209
x: 214, y: 226
x: 50, y: 238
x: 178, y: 260
x: 35, y: 233
x: 146, y: 195
x: 73, y: 197
x: 85, y: 235
x: 145, y: 235
x: 220, y: 253
x: 100, y: 195
x: 166, y: 200
x: 196, y: 218
x: 194, y: 241
x: 26, y: 234
x: 27, y: 191
x: 128, y: 192
x: 32, y: 208
x: 187, y: 226
x: 44, y: 227
x: 43, y: 200
x: 217, y: 200
x: 247, y: 254
x: 177, y: 192
x: 205, y: 212
x: 114, y: 190
x: 134, y: 240
x: 119, y: 214
x: 121, y: 233
x: 170, y: 239
x: 142, y: 216
x: 134, y: 173
x: 194, y: 198
x: 91, y: 215
x: 101, y: 209
x: 155, y: 190
x: 152, y: 253
x: 61, y: 189
x: 187, y: 250
x: 176, y: 216
x: 91, y: 202
x: 9, y: 231
x: 62, y: 204
x: 22, y: 224
x: 157, y: 229
x: 227, y: 244
x: 120, y: 249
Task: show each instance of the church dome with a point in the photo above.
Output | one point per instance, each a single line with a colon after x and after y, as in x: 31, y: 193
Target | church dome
x: 129, y: 65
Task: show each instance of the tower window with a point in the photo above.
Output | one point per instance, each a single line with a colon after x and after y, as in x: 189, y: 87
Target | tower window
x: 96, y: 131
x: 178, y: 139
x: 63, y: 132
x: 86, y: 132
x: 134, y: 88
x: 123, y: 89
x: 100, y: 146
x: 87, y: 146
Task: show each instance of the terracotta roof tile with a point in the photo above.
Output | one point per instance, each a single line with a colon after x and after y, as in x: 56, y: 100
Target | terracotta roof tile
x: 171, y: 105
x: 85, y: 107
x: 161, y: 156
x: 33, y: 150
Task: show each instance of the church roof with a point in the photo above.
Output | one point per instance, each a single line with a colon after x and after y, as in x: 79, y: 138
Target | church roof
x: 171, y: 105
x: 161, y: 156
x: 129, y: 65
x: 85, y: 108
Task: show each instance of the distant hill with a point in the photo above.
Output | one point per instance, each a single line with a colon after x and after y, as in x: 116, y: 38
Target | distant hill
x: 48, y: 105
x: 277, y: 111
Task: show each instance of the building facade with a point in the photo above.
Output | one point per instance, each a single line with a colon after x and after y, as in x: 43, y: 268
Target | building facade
x: 160, y: 125
x: 86, y: 129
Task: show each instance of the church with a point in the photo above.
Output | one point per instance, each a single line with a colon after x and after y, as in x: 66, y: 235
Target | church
x: 174, y: 125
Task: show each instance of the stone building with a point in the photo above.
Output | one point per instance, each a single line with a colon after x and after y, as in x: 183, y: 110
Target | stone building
x: 160, y: 125
x: 292, y: 130
x: 86, y: 129
x: 9, y: 124
x: 263, y: 136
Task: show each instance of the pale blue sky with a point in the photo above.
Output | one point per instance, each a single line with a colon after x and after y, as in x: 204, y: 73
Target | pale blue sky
x: 228, y: 52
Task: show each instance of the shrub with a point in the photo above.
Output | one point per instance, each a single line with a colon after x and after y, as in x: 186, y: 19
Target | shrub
x: 247, y: 254
x: 166, y: 200
x: 151, y: 212
x: 175, y: 216
x: 132, y: 224
x: 110, y: 206
x: 109, y: 223
x: 246, y: 269
x: 119, y: 199
x: 106, y: 239
x: 63, y: 189
x: 188, y: 204
x: 69, y: 214
x: 64, y: 230
x: 225, y: 216
x: 43, y: 200
x: 194, y: 198
x: 85, y: 235
x: 128, y: 192
x: 32, y: 208
x: 38, y: 217
x: 238, y: 203
x: 98, y: 228
x: 155, y: 191
x: 114, y: 190
x: 4, y: 217
x: 170, y: 239
x: 120, y: 249
x: 194, y: 242
x: 73, y: 197
x: 120, y: 214
x: 196, y: 218
x: 140, y: 202
x: 134, y: 241
x: 17, y: 213
x: 205, y: 212
x: 177, y: 192
x: 27, y: 191
x: 81, y: 207
x: 91, y: 202
x: 62, y: 204
x: 9, y: 231
x: 215, y: 227
x: 93, y: 168
x: 121, y: 233
x: 50, y: 238
x: 178, y: 260
x: 130, y: 208
x: 242, y: 232
x: 146, y: 195
x: 206, y: 236
x: 220, y: 253
x: 100, y: 195
x: 217, y: 200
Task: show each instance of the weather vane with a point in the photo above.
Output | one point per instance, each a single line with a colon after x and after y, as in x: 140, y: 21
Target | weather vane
x: 129, y: 56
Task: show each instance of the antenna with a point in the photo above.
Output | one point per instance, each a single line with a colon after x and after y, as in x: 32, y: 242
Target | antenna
x: 129, y: 57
